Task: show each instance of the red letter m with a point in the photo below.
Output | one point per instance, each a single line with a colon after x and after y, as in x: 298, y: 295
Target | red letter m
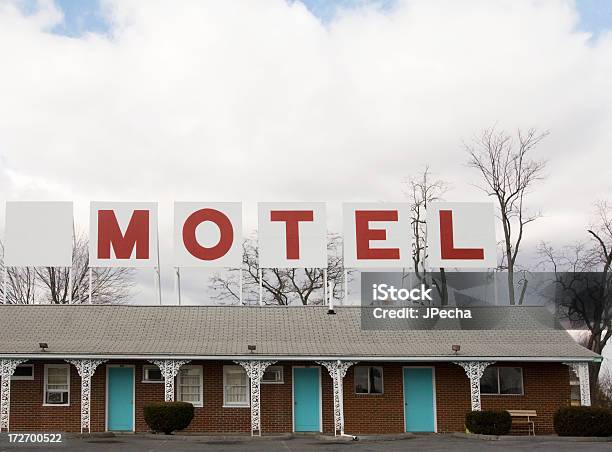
x: 136, y: 234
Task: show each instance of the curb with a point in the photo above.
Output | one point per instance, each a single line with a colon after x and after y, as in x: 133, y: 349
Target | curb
x: 541, y: 438
x: 243, y: 438
x: 211, y: 438
x: 391, y: 437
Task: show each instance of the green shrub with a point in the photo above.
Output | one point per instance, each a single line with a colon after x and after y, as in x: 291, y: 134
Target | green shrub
x: 168, y: 416
x: 583, y: 421
x: 488, y: 422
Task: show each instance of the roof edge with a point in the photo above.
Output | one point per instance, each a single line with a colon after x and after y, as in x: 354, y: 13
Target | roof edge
x: 254, y: 357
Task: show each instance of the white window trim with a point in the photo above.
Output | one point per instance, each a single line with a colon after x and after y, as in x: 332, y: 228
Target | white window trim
x: 54, y: 366
x: 15, y: 377
x: 248, y: 388
x: 382, y: 373
x: 144, y: 375
x: 178, y: 384
x: 280, y: 382
x: 498, y: 393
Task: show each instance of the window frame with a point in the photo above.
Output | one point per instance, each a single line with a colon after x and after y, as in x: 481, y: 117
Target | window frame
x: 369, y: 393
x: 199, y: 404
x: 19, y: 377
x: 144, y: 374
x: 236, y: 368
x: 277, y: 382
x: 499, y: 393
x: 46, y: 382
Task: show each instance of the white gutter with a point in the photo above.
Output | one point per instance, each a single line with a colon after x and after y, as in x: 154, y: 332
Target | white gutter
x: 449, y: 358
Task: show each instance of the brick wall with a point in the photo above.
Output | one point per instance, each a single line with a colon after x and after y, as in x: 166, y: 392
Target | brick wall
x: 375, y: 413
x: 27, y: 410
x: 546, y: 387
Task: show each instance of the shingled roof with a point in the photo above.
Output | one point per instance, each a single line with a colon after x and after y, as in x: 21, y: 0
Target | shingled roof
x: 280, y: 332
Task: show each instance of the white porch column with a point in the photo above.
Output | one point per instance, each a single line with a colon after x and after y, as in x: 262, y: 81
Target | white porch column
x: 169, y: 368
x: 86, y: 369
x: 7, y: 369
x: 337, y: 371
x: 255, y: 370
x: 474, y: 371
x: 582, y: 371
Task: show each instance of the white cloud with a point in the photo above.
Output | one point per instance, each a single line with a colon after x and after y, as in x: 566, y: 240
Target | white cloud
x: 242, y: 100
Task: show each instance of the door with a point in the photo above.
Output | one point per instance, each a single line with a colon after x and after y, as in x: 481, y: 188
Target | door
x: 120, y: 398
x: 419, y: 400
x: 306, y: 399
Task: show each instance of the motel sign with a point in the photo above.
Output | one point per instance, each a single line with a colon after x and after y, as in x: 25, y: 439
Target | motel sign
x: 290, y: 235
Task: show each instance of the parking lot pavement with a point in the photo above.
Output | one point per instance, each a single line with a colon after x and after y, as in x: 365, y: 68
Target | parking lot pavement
x: 426, y: 443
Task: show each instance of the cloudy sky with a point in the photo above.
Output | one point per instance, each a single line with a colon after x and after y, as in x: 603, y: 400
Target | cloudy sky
x: 276, y: 100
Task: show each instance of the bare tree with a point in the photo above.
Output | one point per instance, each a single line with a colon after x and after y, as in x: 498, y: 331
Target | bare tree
x: 281, y: 286
x: 508, y: 173
x: 20, y: 283
x: 583, y: 271
x: 51, y: 284
x: 603, y: 390
x: 421, y: 190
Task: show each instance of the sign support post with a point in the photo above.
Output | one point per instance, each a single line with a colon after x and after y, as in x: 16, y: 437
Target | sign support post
x: 240, y: 284
x: 260, y: 272
x: 90, y: 283
x: 326, y: 291
x: 157, y: 269
x: 345, y: 286
x: 70, y: 284
x: 4, y: 283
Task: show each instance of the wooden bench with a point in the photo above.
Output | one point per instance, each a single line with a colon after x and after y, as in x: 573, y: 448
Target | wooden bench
x: 524, y: 417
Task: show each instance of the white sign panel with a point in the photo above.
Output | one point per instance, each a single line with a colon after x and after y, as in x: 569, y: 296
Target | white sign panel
x: 207, y: 234
x: 123, y: 234
x: 377, y: 235
x: 461, y: 234
x: 292, y: 235
x: 38, y: 234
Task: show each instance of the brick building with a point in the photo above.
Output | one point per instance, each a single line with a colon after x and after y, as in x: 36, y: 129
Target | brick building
x: 274, y: 369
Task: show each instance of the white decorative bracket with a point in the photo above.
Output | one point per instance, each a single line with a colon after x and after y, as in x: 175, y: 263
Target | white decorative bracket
x: 337, y: 371
x: 255, y: 370
x: 582, y: 371
x: 86, y: 369
x: 474, y: 371
x: 7, y: 369
x: 169, y: 369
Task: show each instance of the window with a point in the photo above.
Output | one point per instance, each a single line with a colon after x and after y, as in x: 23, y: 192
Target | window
x: 24, y: 372
x: 502, y: 380
x: 189, y: 381
x: 151, y: 374
x: 273, y: 374
x: 57, y: 384
x: 235, y: 386
x: 368, y: 380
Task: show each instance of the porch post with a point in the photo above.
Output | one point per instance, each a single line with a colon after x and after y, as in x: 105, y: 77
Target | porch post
x: 86, y: 369
x: 169, y: 368
x: 255, y: 370
x: 582, y: 371
x: 7, y: 369
x: 337, y: 371
x: 474, y: 371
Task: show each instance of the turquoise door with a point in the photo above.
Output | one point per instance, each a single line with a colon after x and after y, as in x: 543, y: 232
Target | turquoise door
x: 120, y: 398
x: 419, y: 399
x: 306, y: 399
